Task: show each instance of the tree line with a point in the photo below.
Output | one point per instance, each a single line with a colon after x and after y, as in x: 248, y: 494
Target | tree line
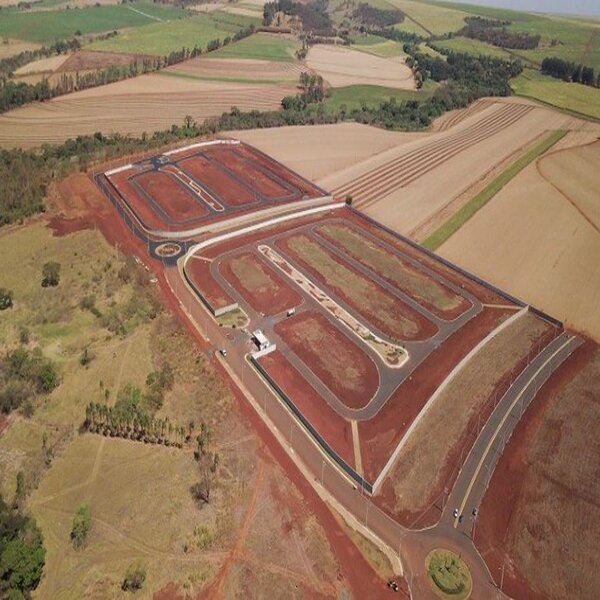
x: 314, y: 15
x: 372, y: 17
x: 494, y: 32
x: 569, y: 71
x: 17, y: 93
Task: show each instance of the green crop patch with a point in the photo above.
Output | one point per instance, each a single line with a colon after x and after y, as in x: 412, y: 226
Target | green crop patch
x: 260, y: 47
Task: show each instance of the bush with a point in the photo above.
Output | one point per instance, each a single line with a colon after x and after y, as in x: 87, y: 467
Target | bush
x: 134, y: 578
x: 50, y: 274
x: 81, y: 526
x: 6, y: 299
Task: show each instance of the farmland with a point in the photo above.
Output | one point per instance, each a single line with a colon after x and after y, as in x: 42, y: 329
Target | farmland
x: 47, y: 26
x: 260, y: 46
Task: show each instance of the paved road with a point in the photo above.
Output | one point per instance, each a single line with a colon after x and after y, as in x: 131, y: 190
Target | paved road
x: 479, y: 466
x: 412, y: 546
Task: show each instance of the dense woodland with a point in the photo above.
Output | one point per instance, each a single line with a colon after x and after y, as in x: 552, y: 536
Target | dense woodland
x: 569, y: 71
x: 371, y: 17
x: 314, y: 15
x: 495, y: 32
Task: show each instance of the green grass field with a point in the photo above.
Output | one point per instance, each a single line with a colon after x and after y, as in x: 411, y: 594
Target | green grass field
x: 573, y: 97
x: 452, y: 225
x: 260, y: 46
x: 473, y: 47
x: 47, y: 26
x: 354, y: 96
x: 436, y: 19
x: 162, y: 38
x: 374, y: 44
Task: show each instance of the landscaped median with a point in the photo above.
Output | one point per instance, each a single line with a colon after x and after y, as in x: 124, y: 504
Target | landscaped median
x: 452, y: 225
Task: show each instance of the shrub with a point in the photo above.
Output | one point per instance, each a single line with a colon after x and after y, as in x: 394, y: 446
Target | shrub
x: 50, y: 274
x: 81, y: 526
x: 134, y: 578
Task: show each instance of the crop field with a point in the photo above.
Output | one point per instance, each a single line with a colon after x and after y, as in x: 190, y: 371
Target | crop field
x: 407, y: 187
x: 374, y: 44
x: 473, y: 47
x: 260, y: 46
x: 333, y: 355
x: 433, y: 19
x: 579, y: 99
x: 47, y: 26
x: 162, y: 38
x: 143, y: 104
x: 237, y: 69
x: 341, y: 67
x: 200, y: 183
x: 544, y: 495
x: 552, y: 262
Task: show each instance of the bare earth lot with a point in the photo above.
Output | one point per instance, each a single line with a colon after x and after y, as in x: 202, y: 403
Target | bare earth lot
x: 532, y: 224
x: 541, y: 513
x: 340, y: 66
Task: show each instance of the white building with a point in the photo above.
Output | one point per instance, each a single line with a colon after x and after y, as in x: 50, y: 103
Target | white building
x: 261, y: 341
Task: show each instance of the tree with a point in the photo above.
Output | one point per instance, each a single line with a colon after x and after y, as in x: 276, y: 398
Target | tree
x: 6, y: 299
x: 134, y: 578
x: 50, y: 274
x: 19, y: 491
x: 81, y: 526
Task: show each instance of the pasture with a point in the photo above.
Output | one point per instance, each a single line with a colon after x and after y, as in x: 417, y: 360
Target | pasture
x: 260, y: 46
x: 46, y: 26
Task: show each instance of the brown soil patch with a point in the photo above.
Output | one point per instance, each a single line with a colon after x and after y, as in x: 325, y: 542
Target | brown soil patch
x: 335, y: 430
x: 374, y: 303
x: 430, y: 460
x: 540, y: 514
x: 332, y: 356
x: 91, y: 60
x: 380, y: 435
x: 172, y: 196
x: 259, y: 284
x: 199, y: 275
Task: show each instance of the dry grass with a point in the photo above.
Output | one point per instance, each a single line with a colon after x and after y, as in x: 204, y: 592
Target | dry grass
x: 553, y: 533
x: 362, y: 293
x: 392, y: 268
x: 343, y: 66
x: 420, y: 466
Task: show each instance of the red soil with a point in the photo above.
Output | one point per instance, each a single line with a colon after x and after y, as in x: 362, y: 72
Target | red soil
x: 198, y: 272
x: 461, y: 304
x: 421, y: 328
x: 322, y: 347
x: 306, y: 188
x: 334, y: 429
x: 228, y: 190
x: 504, y: 491
x: 380, y: 435
x: 248, y: 173
x: 172, y: 197
x: 138, y: 205
x: 272, y: 297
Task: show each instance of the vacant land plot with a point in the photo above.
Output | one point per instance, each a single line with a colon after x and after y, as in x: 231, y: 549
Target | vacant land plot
x: 374, y: 303
x: 319, y: 150
x: 574, y: 97
x: 146, y: 103
x: 544, y: 497
x: 426, y: 463
x: 261, y: 46
x: 261, y: 286
x: 10, y: 47
x: 332, y: 356
x: 165, y: 37
x: 552, y: 241
x: 47, y: 26
x: 398, y: 272
x: 343, y: 66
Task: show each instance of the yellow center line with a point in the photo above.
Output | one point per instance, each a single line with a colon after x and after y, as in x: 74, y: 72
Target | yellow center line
x: 499, y: 427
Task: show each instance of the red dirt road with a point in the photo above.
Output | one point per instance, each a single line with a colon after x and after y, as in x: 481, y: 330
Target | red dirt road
x: 332, y: 356
x: 259, y: 284
x: 334, y: 429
